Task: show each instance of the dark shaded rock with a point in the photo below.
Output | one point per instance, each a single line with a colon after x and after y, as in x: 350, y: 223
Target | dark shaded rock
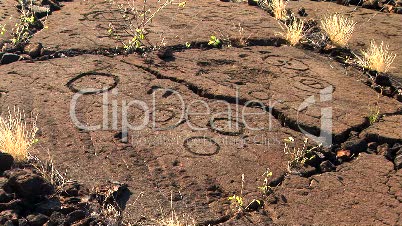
x: 7, y: 215
x: 398, y: 10
x: 37, y: 219
x: 370, y: 4
x: 355, y: 145
x: 5, y: 197
x: 27, y: 184
x: 23, y: 222
x: 253, y: 2
x: 398, y: 161
x: 383, y: 80
x: 304, y: 171
x: 15, y: 205
x: 70, y: 189
x: 9, y: 58
x: 9, y: 223
x: 34, y: 49
x: 6, y: 162
x: 75, y: 216
x: 56, y: 218
x: 165, y: 54
x: 255, y: 205
x: 302, y: 12
x: 384, y: 150
x: 327, y: 166
x: 48, y: 206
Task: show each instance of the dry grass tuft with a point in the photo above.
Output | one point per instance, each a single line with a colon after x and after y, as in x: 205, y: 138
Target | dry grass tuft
x: 294, y: 32
x: 174, y: 220
x: 377, y: 58
x: 276, y: 7
x: 16, y: 137
x: 338, y: 28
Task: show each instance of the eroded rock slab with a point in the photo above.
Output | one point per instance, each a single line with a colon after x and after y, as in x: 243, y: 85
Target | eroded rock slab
x: 298, y: 86
x: 388, y: 130
x: 200, y: 158
x: 84, y: 25
x: 364, y: 191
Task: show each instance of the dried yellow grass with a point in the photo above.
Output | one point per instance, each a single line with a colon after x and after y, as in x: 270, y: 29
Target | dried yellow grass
x: 294, y: 32
x: 377, y: 58
x: 174, y: 220
x: 16, y: 137
x: 338, y: 28
x: 278, y: 8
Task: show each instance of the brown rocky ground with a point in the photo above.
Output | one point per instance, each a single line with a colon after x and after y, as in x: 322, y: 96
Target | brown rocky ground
x: 201, y: 169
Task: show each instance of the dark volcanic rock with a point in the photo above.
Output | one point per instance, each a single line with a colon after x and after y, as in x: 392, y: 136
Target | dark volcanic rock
x: 75, y: 216
x: 48, y: 206
x: 383, y: 80
x: 355, y: 145
x: 5, y: 197
x: 56, y: 219
x: 398, y: 159
x: 7, y: 215
x: 27, y: 184
x: 34, y: 49
x: 6, y: 162
x: 327, y: 166
x: 37, y: 220
x: 9, y: 58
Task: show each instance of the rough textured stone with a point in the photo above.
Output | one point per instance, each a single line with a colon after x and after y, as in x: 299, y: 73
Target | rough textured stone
x: 26, y: 184
x: 6, y: 162
x: 9, y: 58
x: 388, y: 130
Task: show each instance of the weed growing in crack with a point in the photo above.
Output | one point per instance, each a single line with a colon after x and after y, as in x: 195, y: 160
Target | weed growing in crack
x: 214, y: 42
x: 136, y: 19
x: 47, y: 170
x: 298, y: 157
x: 293, y: 31
x: 174, y: 219
x: 265, y: 188
x: 16, y: 137
x: 2, y: 29
x: 374, y: 115
x: 377, y: 57
x: 243, y: 38
x: 237, y: 200
x: 338, y: 28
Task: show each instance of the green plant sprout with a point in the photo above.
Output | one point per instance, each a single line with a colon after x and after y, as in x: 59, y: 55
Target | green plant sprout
x: 214, y: 41
x: 265, y: 188
x: 188, y: 45
x: 2, y: 29
x: 237, y: 200
x: 374, y: 115
x: 21, y: 29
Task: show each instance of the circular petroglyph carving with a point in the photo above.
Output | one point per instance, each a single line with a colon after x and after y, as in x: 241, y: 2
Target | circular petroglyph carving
x: 310, y: 84
x: 202, y: 146
x: 106, y: 16
x: 93, y: 83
